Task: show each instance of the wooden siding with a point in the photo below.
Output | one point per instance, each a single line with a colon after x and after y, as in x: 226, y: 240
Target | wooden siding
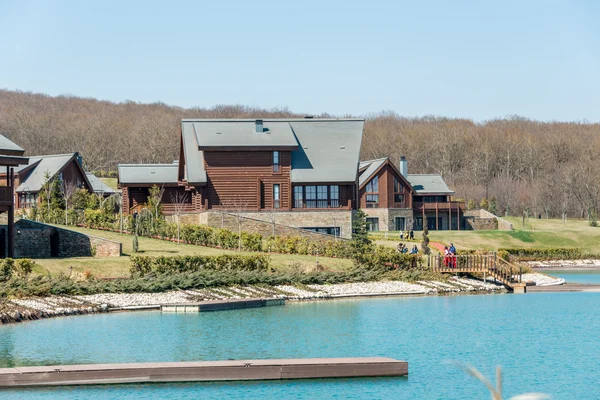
x: 245, y: 179
x: 386, y: 175
x: 135, y: 198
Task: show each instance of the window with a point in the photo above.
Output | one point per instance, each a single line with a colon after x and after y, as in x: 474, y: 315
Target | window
x: 298, y: 196
x: 321, y: 196
x: 334, y: 196
x: 276, y: 197
x: 372, y: 201
x: 333, y: 230
x: 372, y: 224
x: 373, y: 185
x: 398, y: 198
x: 400, y: 223
x: 311, y: 196
x: 276, y: 162
x: 27, y: 200
x: 398, y: 188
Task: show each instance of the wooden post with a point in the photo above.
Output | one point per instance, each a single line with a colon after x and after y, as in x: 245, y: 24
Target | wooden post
x: 450, y: 215
x: 458, y: 216
x: 436, y: 216
x: 10, y: 179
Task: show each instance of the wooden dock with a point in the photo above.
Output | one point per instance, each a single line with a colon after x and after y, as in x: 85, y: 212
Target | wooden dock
x: 568, y: 287
x: 219, y: 305
x: 202, y: 371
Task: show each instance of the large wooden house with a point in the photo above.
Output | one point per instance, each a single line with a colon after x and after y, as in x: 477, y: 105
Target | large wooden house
x: 297, y: 172
x: 395, y: 200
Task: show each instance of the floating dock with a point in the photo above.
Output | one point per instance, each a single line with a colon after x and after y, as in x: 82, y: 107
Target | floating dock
x: 219, y: 305
x: 202, y: 371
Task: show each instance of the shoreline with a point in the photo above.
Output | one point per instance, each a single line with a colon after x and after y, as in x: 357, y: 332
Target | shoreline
x: 34, y: 308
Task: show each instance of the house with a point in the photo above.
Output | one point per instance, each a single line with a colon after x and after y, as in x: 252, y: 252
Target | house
x: 11, y: 157
x: 98, y: 187
x: 296, y: 172
x: 395, y: 200
x: 30, y: 178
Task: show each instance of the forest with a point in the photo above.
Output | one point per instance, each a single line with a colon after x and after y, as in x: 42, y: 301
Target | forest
x: 510, y: 165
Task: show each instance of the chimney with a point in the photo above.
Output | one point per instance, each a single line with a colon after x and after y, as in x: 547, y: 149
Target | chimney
x: 403, y: 166
x: 259, y: 126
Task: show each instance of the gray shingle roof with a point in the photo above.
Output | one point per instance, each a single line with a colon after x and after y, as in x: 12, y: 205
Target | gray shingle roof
x: 241, y: 133
x: 194, y: 158
x: 148, y: 173
x: 9, y: 148
x: 371, y: 166
x: 429, y: 184
x: 323, y: 150
x: 329, y: 150
x: 98, y: 186
x: 50, y: 164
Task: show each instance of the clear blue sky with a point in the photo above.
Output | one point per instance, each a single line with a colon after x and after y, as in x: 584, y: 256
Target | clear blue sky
x: 474, y: 59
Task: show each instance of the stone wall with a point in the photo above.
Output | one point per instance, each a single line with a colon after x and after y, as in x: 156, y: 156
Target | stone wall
x: 284, y: 223
x: 485, y: 220
x: 37, y: 240
x: 387, y: 217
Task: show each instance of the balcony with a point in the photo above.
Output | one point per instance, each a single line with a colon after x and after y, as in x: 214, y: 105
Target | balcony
x: 447, y: 205
x: 321, y: 204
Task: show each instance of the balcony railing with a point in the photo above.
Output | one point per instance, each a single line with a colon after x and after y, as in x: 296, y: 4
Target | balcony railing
x: 6, y: 195
x: 315, y: 204
x: 446, y: 205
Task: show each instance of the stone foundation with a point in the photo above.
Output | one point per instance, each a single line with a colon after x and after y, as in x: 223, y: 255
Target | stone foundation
x: 387, y: 217
x: 485, y: 220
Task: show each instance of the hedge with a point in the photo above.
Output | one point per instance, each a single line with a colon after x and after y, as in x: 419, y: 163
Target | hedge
x: 533, y: 254
x: 142, y: 265
x: 20, y: 268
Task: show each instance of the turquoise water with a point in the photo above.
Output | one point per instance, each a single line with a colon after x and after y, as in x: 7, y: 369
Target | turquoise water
x: 546, y: 342
x: 587, y: 276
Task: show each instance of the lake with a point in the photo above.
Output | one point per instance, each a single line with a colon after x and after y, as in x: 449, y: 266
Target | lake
x: 575, y: 276
x: 545, y: 342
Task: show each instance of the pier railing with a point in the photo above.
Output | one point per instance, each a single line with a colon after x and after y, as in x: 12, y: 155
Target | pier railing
x: 486, y: 264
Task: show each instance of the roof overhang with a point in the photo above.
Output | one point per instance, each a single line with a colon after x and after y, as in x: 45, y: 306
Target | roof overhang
x: 13, y: 161
x: 248, y: 148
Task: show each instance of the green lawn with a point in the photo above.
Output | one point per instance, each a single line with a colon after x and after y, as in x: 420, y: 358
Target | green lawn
x: 119, y: 266
x: 537, y: 233
x: 111, y: 182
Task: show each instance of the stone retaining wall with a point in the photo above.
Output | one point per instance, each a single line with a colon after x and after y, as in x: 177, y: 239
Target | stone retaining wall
x: 485, y: 220
x: 281, y: 223
x: 37, y: 240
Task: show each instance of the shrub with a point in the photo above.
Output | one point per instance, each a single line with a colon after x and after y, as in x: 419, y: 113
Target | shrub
x: 7, y: 268
x: 141, y: 265
x: 23, y: 267
x: 532, y: 254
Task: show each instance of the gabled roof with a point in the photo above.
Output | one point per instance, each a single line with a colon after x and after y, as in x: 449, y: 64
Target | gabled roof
x: 323, y: 150
x: 429, y: 184
x: 193, y: 158
x: 148, y: 173
x: 240, y: 133
x: 368, y: 168
x: 41, y: 165
x: 98, y: 186
x: 9, y: 148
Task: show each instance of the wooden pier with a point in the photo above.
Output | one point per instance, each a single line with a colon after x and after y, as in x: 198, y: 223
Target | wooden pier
x: 219, y: 305
x: 485, y: 264
x: 202, y: 371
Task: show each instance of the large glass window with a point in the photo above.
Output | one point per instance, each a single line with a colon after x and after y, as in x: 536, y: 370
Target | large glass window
x: 311, y: 196
x: 372, y: 201
x: 276, y: 196
x: 372, y: 224
x: 334, y: 196
x: 276, y: 161
x: 298, y: 198
x: 321, y: 196
x: 373, y: 185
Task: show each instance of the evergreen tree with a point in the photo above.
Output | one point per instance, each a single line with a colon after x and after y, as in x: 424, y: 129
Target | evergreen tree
x: 360, y: 234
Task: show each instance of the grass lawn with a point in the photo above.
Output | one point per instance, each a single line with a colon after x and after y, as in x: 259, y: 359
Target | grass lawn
x: 119, y: 266
x: 537, y: 233
x: 111, y: 182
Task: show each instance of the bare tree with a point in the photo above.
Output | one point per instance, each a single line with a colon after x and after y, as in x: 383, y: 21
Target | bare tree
x: 237, y: 206
x: 180, y: 202
x: 68, y: 189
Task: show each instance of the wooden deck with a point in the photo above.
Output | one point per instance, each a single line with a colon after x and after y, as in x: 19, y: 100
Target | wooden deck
x: 203, y: 371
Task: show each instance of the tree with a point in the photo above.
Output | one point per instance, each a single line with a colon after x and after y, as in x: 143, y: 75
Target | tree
x: 425, y: 241
x: 360, y: 233
x: 180, y: 202
x: 68, y: 189
x: 237, y: 206
x: 46, y: 192
x: 155, y: 200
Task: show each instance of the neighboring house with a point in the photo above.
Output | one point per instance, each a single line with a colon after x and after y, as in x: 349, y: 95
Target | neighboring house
x: 31, y: 178
x: 297, y: 172
x: 136, y: 180
x: 395, y: 200
x: 11, y: 158
x: 98, y: 187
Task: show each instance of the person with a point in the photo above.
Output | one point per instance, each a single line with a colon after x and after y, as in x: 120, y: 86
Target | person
x: 452, y: 251
x: 414, y: 250
x: 446, y: 256
x: 400, y: 247
x: 404, y: 250
x: 401, y: 235
x: 411, y: 235
x: 406, y: 235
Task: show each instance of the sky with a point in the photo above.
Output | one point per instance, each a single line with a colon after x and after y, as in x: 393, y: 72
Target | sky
x: 469, y: 59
